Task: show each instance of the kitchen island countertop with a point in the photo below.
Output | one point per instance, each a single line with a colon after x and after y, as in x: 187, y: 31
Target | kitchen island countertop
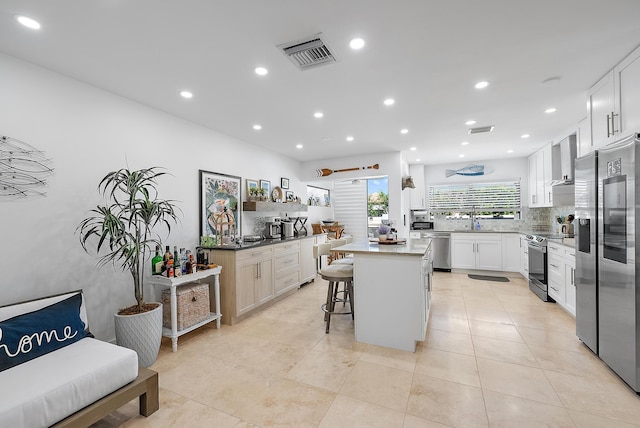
x: 410, y: 248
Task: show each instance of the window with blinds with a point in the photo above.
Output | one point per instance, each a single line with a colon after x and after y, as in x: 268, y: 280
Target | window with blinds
x: 498, y: 199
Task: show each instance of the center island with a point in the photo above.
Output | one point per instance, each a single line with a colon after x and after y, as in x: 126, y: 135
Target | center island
x: 392, y: 291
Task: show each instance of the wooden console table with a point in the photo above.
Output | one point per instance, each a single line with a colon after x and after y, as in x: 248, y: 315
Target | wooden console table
x: 172, y: 283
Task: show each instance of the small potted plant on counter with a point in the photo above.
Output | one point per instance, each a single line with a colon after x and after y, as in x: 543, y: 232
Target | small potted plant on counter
x: 383, y: 230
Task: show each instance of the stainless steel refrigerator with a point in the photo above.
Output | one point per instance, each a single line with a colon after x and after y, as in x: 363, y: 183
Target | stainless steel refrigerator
x: 618, y: 285
x: 585, y: 232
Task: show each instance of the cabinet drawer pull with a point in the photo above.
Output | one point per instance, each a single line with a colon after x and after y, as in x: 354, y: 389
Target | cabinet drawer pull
x: 555, y: 266
x: 554, y: 288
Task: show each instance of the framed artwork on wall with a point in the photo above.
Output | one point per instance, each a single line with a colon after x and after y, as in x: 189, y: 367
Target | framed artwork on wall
x: 251, y: 184
x: 220, y: 198
x: 289, y: 196
x: 266, y: 185
x: 284, y: 183
x: 318, y: 197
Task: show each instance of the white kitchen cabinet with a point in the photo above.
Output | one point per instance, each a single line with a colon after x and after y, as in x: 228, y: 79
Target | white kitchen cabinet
x: 286, y: 266
x: 602, y: 115
x: 533, y: 173
x: 463, y: 255
x: 561, y: 267
x: 511, y: 252
x: 613, y: 103
x: 482, y: 251
x: 254, y: 278
x: 419, y: 193
x: 524, y: 257
x: 583, y: 137
x: 540, y: 176
x: 570, y: 284
x: 627, y: 88
x: 555, y: 270
x: 307, y: 262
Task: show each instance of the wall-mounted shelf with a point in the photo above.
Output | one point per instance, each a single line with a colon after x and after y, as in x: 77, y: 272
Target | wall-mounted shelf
x: 272, y: 206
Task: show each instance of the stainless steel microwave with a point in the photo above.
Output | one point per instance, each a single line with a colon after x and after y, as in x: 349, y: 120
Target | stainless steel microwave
x: 422, y: 225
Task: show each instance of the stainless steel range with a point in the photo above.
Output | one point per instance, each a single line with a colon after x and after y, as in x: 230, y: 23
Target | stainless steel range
x: 538, y: 276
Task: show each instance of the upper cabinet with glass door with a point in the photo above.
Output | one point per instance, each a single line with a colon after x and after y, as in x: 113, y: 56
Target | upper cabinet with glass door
x: 614, y: 104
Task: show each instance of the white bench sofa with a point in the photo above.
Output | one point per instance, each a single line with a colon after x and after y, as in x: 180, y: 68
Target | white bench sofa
x: 72, y: 386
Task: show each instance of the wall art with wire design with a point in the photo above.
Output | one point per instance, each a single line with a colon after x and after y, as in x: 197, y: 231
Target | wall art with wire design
x: 24, y: 170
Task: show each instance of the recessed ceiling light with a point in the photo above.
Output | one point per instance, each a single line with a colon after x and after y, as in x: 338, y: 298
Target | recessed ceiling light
x: 509, y: 151
x: 470, y: 122
x: 298, y: 146
x: 28, y: 22
x: 318, y: 114
x: 464, y: 143
x: 389, y: 102
x: 550, y: 110
x: 257, y: 127
x: 186, y: 94
x: 413, y: 149
x: 481, y: 85
x: 404, y: 131
x: 461, y: 156
x: 525, y: 136
x: 418, y: 160
x: 349, y: 138
x: 261, y: 71
x: 356, y: 43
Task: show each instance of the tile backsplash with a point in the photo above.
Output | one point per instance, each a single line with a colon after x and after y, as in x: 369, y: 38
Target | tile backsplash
x: 531, y: 219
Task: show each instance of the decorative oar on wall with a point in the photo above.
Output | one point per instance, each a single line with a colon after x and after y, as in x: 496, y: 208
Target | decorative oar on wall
x: 325, y: 171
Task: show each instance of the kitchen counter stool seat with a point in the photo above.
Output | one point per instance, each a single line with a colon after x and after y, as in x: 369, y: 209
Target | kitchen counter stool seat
x: 335, y: 274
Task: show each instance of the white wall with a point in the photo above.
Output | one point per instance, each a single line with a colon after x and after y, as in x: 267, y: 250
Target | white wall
x: 89, y: 132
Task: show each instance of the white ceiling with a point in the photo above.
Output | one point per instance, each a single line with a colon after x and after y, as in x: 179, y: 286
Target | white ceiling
x: 426, y: 54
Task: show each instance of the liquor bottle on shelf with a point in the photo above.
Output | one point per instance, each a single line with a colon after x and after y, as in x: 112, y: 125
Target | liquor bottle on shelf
x: 167, y: 256
x: 183, y: 261
x: 188, y: 263
x: 194, y: 266
x: 170, y: 270
x: 157, y: 262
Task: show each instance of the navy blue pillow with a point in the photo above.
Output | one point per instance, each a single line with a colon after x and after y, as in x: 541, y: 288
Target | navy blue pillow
x: 31, y: 335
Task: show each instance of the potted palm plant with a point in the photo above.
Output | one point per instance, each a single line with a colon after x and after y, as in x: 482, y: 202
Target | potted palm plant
x: 124, y: 227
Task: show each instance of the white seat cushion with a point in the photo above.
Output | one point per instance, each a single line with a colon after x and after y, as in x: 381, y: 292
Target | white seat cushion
x: 49, y: 388
x: 344, y: 261
x: 337, y: 271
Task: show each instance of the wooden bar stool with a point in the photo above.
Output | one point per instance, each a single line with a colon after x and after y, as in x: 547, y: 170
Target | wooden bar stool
x: 335, y: 274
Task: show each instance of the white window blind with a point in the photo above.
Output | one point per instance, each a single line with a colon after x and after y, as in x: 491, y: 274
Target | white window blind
x: 494, y: 197
x: 350, y: 207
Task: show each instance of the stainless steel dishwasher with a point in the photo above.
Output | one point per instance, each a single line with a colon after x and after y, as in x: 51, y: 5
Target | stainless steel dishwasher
x: 440, y: 249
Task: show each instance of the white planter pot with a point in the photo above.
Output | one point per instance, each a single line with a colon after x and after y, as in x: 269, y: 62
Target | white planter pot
x: 142, y: 333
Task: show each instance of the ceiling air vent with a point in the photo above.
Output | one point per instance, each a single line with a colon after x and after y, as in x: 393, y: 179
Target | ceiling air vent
x: 310, y: 52
x: 480, y: 129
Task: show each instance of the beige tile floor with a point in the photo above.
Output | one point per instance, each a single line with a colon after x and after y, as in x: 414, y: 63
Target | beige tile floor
x: 495, y: 356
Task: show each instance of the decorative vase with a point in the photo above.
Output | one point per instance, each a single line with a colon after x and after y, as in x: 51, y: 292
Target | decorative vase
x: 141, y: 333
x: 382, y: 237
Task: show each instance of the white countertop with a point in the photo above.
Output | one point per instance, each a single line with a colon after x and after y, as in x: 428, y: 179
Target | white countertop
x: 410, y: 248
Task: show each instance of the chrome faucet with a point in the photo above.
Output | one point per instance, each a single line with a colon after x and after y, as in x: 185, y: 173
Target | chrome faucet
x: 473, y: 217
